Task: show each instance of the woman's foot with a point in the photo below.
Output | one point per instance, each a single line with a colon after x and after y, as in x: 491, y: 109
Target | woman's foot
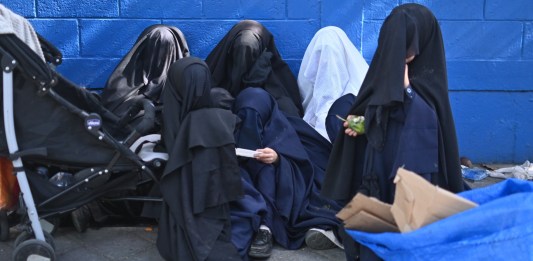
x: 262, y: 245
x: 320, y: 239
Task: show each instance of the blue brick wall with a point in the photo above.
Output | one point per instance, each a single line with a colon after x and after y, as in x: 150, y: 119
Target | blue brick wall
x: 489, y: 48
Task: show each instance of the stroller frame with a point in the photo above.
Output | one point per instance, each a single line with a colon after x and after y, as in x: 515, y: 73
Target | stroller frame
x: 92, y: 124
x: 8, y: 64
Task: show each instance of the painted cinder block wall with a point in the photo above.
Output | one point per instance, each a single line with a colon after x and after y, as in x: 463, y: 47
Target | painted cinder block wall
x: 489, y: 48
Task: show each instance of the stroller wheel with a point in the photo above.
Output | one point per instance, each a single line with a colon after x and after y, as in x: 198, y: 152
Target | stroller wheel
x: 25, y: 236
x: 4, y: 226
x: 37, y: 249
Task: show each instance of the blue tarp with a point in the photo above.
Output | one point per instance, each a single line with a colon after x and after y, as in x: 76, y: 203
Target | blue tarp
x: 500, y: 228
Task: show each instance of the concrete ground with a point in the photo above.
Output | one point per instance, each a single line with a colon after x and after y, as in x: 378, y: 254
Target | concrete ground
x: 137, y: 243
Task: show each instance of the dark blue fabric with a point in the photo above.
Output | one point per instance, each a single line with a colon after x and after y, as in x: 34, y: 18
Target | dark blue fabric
x: 500, y: 228
x: 418, y: 146
x: 317, y: 147
x: 289, y: 186
x: 411, y: 142
x: 246, y: 215
x: 340, y: 107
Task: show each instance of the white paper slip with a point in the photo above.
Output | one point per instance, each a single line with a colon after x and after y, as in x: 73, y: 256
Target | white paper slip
x: 246, y: 153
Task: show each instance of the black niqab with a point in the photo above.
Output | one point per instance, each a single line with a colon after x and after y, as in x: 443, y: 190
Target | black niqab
x: 247, y: 56
x: 202, y: 174
x: 410, y: 29
x: 143, y: 71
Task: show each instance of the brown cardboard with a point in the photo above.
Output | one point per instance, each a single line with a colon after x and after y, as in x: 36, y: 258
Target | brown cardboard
x: 367, y: 222
x: 418, y: 202
x: 367, y: 214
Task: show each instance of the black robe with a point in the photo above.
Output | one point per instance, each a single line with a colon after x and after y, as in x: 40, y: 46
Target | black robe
x: 202, y: 174
x: 143, y: 71
x: 247, y: 56
x: 410, y: 29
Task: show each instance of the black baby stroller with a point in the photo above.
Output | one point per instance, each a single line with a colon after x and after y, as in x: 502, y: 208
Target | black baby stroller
x: 51, y: 124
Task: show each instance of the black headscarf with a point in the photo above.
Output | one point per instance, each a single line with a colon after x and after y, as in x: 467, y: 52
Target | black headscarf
x: 221, y: 98
x: 410, y: 29
x: 143, y: 70
x: 192, y: 79
x: 202, y: 174
x: 247, y: 56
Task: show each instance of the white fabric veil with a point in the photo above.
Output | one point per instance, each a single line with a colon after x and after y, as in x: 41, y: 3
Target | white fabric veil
x: 331, y: 67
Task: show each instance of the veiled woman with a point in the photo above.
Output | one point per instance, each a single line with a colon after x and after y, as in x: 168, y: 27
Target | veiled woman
x: 202, y: 175
x: 331, y: 67
x: 142, y: 73
x: 282, y: 174
x: 247, y: 56
x: 408, y: 119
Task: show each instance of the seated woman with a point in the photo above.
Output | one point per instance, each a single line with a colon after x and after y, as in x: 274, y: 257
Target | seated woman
x: 202, y: 175
x: 408, y: 119
x: 247, y: 56
x: 281, y: 180
x: 331, y: 67
x: 143, y: 71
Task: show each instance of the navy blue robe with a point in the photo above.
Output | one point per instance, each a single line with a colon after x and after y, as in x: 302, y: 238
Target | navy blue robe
x: 289, y: 187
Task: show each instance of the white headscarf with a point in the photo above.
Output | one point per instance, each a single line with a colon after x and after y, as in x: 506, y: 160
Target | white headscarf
x: 331, y: 67
x: 11, y: 23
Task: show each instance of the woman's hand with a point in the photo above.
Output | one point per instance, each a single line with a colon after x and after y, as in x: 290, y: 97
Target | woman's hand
x: 406, y: 77
x: 348, y: 130
x: 267, y: 155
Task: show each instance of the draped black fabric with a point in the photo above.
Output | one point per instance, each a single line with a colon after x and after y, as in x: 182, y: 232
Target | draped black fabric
x: 247, y: 56
x: 202, y: 174
x: 290, y: 186
x: 221, y: 98
x: 410, y: 29
x: 143, y: 71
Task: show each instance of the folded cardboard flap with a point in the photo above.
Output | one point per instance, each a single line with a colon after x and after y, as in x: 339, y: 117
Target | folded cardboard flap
x: 367, y: 214
x: 368, y: 222
x: 418, y: 203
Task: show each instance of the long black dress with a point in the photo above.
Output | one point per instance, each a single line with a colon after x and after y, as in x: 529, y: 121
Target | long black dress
x: 247, y: 56
x: 143, y: 71
x: 367, y: 163
x: 202, y: 174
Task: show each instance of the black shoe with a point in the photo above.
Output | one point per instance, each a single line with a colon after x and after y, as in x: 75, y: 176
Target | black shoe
x: 317, y: 240
x: 262, y: 245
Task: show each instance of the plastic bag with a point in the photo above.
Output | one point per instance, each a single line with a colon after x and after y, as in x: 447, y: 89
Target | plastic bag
x: 9, y: 189
x: 62, y: 179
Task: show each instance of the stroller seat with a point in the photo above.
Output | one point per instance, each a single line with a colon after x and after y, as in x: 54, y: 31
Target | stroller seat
x: 51, y: 123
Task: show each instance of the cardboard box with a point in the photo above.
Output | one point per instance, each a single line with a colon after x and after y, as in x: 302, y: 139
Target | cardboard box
x: 367, y: 214
x: 416, y: 203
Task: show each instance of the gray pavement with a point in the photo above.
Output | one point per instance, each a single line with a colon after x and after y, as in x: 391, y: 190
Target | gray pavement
x: 138, y: 243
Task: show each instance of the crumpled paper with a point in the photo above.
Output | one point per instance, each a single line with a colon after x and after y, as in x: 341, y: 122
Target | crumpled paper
x: 524, y: 171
